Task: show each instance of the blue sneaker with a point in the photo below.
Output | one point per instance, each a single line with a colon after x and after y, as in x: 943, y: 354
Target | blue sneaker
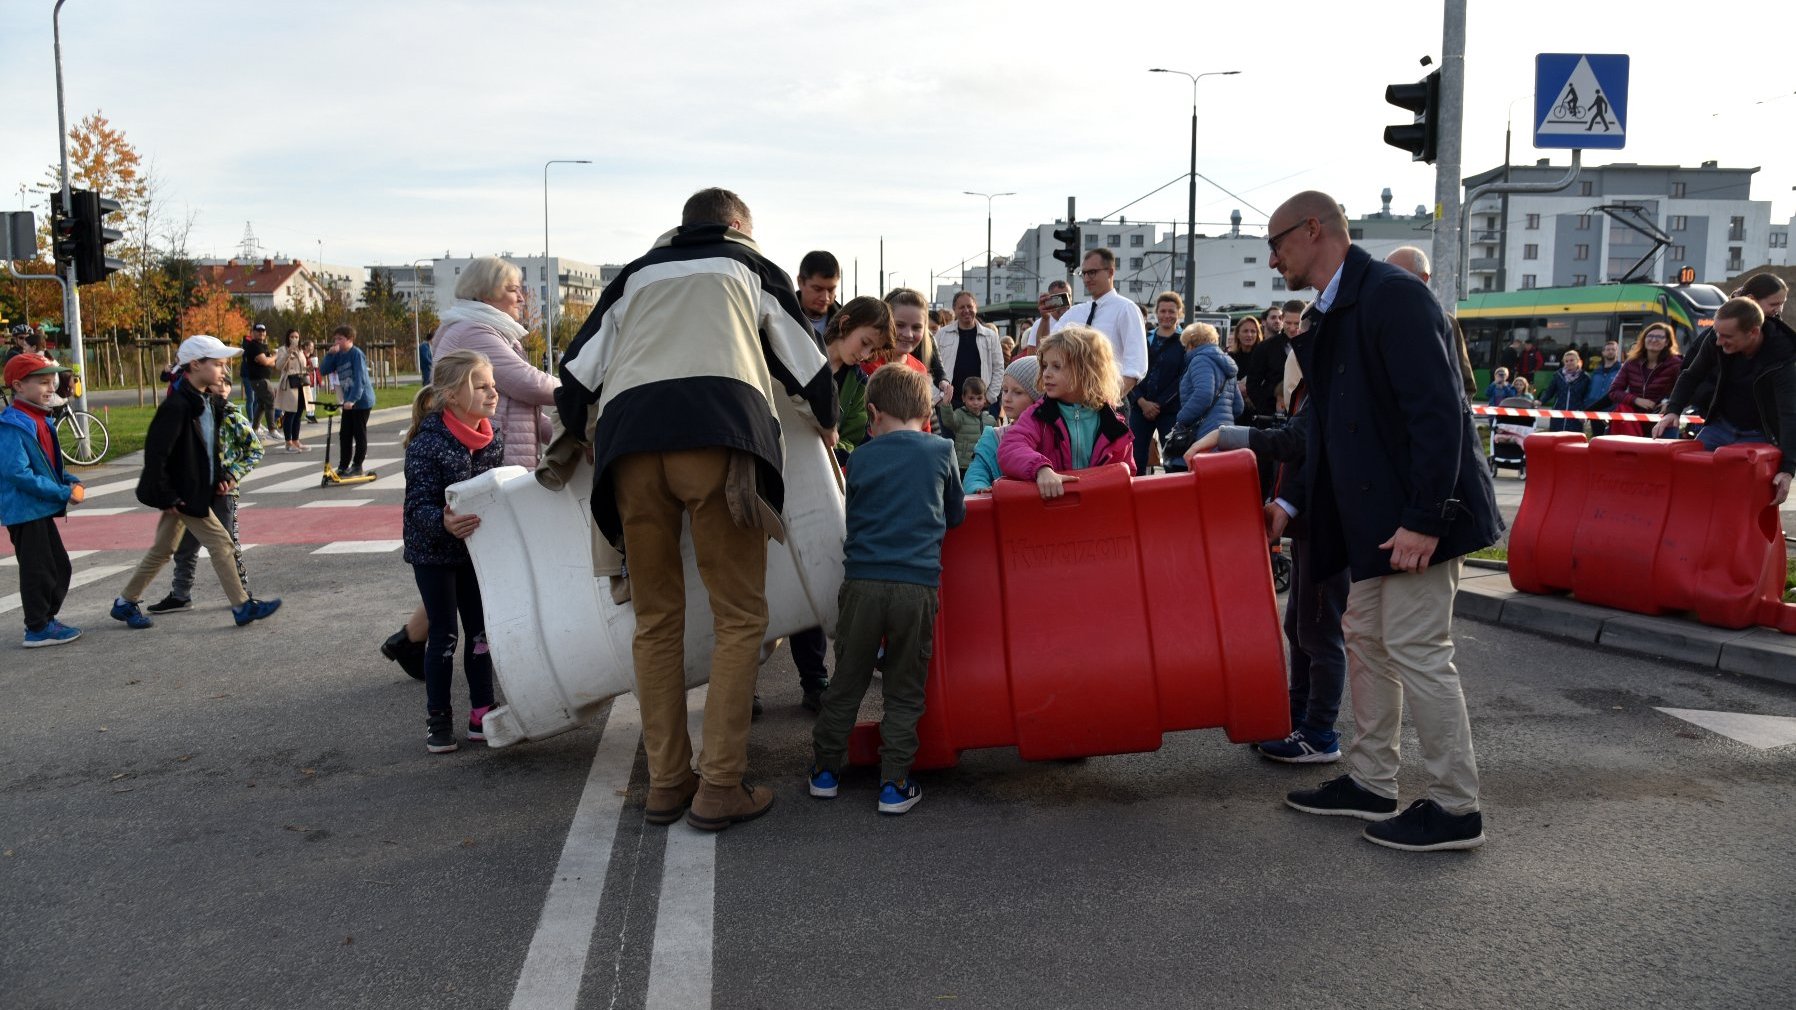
x: 254, y: 610
x: 54, y: 633
x: 897, y: 797
x: 823, y: 783
x: 127, y: 611
x: 1304, y: 747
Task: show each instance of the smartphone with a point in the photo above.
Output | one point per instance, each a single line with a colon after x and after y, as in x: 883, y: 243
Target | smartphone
x: 1057, y: 300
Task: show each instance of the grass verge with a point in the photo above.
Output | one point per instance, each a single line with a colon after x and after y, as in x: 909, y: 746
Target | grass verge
x: 127, y: 425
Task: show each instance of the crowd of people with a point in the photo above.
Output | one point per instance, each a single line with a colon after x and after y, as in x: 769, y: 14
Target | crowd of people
x: 1357, y: 406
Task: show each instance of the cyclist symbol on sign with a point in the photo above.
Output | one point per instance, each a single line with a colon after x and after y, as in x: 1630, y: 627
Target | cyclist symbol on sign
x: 1568, y: 108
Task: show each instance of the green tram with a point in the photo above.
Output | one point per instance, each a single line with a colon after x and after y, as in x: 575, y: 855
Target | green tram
x: 1556, y: 319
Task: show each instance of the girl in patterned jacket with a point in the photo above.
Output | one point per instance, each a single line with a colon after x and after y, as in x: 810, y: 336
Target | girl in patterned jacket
x: 452, y: 439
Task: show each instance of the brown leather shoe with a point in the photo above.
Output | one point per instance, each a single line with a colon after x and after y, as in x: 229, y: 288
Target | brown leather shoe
x: 718, y: 807
x: 665, y: 805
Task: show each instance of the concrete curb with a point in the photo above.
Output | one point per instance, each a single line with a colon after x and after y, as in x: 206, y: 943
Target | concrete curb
x: 1763, y: 653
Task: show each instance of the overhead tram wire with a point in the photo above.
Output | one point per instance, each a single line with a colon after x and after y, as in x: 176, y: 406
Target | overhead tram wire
x: 1182, y: 176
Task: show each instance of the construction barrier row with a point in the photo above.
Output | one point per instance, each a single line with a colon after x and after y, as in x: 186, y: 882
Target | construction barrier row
x: 1088, y: 625
x: 1653, y: 527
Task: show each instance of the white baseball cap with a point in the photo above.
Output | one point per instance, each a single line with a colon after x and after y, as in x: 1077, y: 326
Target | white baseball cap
x: 204, y: 345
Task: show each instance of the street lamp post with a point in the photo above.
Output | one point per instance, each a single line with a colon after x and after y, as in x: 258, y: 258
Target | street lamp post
x: 1191, y: 211
x: 551, y: 283
x: 989, y: 197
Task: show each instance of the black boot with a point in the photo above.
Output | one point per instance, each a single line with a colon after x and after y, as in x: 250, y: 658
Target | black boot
x: 407, y: 653
x: 441, y: 727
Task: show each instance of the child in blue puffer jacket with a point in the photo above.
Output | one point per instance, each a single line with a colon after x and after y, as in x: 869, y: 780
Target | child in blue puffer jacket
x: 452, y: 439
x: 1209, y: 396
x: 34, y: 490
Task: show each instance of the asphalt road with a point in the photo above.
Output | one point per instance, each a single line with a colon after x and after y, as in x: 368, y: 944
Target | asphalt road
x: 199, y: 815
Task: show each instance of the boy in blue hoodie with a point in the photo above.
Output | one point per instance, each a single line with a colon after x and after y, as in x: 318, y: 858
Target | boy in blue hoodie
x: 34, y: 491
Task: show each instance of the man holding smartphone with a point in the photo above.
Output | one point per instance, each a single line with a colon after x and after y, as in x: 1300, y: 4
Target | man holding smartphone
x: 1051, y: 306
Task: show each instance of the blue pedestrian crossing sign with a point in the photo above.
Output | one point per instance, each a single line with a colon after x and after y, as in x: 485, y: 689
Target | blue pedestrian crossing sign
x: 1581, y: 100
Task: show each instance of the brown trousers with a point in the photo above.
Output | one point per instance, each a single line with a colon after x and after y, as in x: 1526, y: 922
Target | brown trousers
x: 656, y: 492
x: 210, y: 533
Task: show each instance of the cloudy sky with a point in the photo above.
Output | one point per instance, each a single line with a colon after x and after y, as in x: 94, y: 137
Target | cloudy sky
x: 393, y: 130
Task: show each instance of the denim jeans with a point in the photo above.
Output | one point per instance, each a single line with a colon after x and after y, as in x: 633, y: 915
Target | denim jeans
x: 1140, y: 427
x: 1318, y: 650
x: 1717, y: 433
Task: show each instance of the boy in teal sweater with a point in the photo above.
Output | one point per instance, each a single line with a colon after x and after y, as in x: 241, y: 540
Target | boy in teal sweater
x: 903, y: 497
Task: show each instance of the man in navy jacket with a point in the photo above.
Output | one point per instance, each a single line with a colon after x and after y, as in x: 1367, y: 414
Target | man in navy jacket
x: 1397, y: 494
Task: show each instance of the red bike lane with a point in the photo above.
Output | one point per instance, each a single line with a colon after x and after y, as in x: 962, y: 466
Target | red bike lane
x: 257, y: 525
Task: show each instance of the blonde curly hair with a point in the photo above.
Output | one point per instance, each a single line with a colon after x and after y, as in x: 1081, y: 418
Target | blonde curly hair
x: 1089, y: 363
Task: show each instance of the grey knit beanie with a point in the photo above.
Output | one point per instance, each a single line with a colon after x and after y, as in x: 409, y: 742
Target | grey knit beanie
x: 1027, y: 372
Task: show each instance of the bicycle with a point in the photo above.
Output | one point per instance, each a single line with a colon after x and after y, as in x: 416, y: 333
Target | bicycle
x: 84, y: 437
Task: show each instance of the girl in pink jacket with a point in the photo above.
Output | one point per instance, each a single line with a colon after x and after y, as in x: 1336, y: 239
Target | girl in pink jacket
x: 1073, y: 426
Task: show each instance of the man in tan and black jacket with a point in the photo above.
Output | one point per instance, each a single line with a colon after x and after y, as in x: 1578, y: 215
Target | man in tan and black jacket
x: 683, y: 358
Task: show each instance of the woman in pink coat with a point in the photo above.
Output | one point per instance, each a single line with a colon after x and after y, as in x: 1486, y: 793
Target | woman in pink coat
x: 489, y: 296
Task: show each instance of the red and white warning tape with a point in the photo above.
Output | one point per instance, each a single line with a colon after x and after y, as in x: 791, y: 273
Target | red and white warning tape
x: 1576, y: 415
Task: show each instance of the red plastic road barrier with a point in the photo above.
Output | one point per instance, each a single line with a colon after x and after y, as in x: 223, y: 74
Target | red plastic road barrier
x: 1094, y: 623
x: 1653, y: 526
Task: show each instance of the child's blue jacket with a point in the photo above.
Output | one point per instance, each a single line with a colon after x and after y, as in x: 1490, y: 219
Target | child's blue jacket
x: 31, y: 485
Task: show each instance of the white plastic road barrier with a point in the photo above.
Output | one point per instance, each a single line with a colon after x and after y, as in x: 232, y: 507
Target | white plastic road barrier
x: 561, y: 648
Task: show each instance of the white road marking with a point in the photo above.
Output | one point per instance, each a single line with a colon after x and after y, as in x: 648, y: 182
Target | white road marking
x: 204, y: 553
x: 81, y: 578
x: 274, y: 469
x: 550, y: 979
x: 96, y: 490
x: 336, y: 503
x: 73, y: 556
x: 1761, y: 731
x: 680, y: 967
x: 360, y: 547
x: 79, y: 511
x: 311, y: 480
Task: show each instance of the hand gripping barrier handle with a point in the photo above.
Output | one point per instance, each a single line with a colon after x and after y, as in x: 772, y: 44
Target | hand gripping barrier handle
x: 1653, y: 527
x: 1093, y: 624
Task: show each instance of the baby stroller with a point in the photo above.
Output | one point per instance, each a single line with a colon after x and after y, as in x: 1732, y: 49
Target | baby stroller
x: 1506, y: 437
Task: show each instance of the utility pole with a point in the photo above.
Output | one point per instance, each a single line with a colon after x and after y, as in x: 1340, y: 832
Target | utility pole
x: 882, y: 265
x: 1446, y: 167
x: 71, y: 302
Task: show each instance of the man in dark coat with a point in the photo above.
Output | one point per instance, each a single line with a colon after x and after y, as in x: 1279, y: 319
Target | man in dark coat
x: 1397, y: 495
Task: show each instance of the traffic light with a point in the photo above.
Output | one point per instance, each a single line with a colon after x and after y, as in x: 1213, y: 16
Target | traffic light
x: 1069, y: 251
x: 62, y: 233
x: 92, y: 237
x: 1424, y: 99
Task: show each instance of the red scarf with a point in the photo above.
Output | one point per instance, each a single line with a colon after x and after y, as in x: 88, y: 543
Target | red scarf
x: 476, y: 438
x: 45, y: 436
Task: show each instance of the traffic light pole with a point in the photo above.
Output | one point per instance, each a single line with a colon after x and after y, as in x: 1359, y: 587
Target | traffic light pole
x: 71, y: 303
x: 1451, y: 112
